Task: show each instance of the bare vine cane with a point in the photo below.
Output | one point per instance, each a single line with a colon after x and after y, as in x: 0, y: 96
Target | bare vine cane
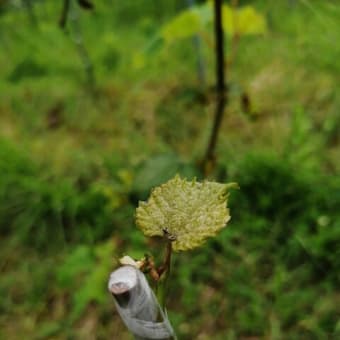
x: 209, y: 161
x: 164, y: 270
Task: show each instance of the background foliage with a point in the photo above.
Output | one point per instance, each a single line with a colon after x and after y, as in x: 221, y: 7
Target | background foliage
x: 76, y: 155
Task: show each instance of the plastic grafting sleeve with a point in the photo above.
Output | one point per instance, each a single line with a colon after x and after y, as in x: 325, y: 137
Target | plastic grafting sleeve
x: 139, y: 310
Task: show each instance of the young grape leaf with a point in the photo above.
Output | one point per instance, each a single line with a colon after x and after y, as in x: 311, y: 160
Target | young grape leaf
x: 194, y: 20
x: 186, y: 24
x: 185, y: 211
x: 250, y: 22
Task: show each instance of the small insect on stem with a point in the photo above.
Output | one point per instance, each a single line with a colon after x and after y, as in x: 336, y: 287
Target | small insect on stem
x: 170, y: 237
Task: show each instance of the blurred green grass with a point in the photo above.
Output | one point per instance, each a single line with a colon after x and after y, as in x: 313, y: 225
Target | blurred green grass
x: 75, y: 161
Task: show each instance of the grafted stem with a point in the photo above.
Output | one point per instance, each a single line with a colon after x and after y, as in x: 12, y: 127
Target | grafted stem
x: 165, y: 267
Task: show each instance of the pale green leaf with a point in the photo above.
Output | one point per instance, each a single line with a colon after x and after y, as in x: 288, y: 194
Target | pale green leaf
x: 184, y: 25
x: 250, y: 21
x: 189, y: 211
x: 244, y: 21
x: 229, y: 19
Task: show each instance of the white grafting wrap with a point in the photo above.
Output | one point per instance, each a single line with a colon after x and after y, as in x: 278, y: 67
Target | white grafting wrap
x: 142, y: 310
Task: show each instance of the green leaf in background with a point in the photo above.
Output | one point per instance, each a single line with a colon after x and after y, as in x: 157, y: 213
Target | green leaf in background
x: 243, y: 21
x: 198, y: 19
x: 185, y: 24
x: 250, y: 22
x: 189, y: 210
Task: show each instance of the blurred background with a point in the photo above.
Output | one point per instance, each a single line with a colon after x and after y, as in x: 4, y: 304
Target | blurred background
x: 100, y: 101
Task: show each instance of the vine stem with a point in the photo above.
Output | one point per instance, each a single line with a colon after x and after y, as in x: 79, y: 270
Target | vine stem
x: 164, y: 273
x: 209, y: 160
x: 167, y: 261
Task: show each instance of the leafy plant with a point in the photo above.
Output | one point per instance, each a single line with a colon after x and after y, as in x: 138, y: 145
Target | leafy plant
x: 184, y: 213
